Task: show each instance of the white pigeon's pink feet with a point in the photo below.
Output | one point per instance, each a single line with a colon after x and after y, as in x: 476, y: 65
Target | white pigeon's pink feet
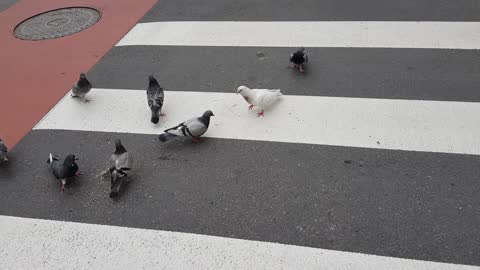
x: 260, y: 114
x: 250, y: 107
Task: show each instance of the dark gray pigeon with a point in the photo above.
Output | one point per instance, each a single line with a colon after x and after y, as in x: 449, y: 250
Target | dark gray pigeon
x: 194, y: 128
x: 299, y: 58
x: 82, y: 87
x: 120, y: 162
x: 64, y: 170
x: 3, y: 152
x: 155, y: 97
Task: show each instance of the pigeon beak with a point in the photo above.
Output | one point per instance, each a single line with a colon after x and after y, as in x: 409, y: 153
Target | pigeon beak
x: 76, y: 158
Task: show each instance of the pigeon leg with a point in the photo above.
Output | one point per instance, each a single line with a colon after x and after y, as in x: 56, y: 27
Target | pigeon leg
x: 78, y: 173
x: 86, y: 101
x: 62, y: 188
x: 162, y: 114
x: 250, y: 107
x: 195, y: 140
x: 301, y: 69
x: 260, y: 114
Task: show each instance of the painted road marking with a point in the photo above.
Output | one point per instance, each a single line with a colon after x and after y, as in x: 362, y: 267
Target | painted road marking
x: 417, y: 125
x: 372, y: 34
x: 47, y: 244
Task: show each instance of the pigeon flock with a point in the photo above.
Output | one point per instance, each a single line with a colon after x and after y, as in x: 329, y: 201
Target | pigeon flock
x: 121, y: 160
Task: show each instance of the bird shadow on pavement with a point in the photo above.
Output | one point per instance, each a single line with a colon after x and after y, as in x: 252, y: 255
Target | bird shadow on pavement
x: 6, y: 168
x: 124, y: 189
x: 185, y: 143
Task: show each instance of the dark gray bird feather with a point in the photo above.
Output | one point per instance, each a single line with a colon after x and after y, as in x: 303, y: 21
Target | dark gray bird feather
x: 194, y: 128
x: 3, y: 151
x: 155, y: 98
x: 82, y: 87
x: 299, y: 58
x: 120, y: 162
x: 64, y: 170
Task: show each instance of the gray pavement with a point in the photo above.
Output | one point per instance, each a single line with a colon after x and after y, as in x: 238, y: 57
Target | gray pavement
x: 394, y: 203
x: 421, y: 74
x: 4, y: 4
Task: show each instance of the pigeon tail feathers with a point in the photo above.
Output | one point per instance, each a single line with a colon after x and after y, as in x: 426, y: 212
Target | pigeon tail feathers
x: 166, y: 136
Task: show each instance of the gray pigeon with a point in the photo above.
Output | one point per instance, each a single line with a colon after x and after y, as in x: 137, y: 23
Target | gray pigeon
x: 3, y: 152
x: 64, y: 170
x: 120, y: 161
x: 299, y: 58
x: 155, y: 98
x: 82, y: 87
x: 194, y: 128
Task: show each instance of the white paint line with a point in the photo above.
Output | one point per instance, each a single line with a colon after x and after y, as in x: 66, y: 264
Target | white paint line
x: 47, y: 244
x: 376, y: 34
x: 431, y: 126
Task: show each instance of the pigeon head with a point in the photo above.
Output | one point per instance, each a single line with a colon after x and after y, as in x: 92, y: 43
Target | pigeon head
x: 242, y: 89
x: 70, y: 166
x: 70, y: 161
x: 155, y: 114
x: 302, y: 49
x: 207, y: 114
x: 82, y: 76
x: 119, y: 148
x: 152, y: 80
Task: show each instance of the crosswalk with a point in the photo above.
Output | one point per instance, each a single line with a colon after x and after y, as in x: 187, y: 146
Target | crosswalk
x: 434, y: 35
x: 368, y: 161
x: 431, y: 126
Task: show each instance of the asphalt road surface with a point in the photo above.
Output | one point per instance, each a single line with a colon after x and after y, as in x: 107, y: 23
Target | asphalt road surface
x: 388, y: 202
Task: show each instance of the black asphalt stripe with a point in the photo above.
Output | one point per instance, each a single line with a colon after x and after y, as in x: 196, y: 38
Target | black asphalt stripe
x: 314, y: 10
x: 393, y: 203
x: 5, y: 4
x: 423, y: 74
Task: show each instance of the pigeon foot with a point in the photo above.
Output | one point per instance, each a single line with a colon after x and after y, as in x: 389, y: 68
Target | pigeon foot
x: 260, y: 114
x: 163, y: 114
x: 250, y: 107
x: 78, y: 173
x: 195, y: 140
x: 62, y: 189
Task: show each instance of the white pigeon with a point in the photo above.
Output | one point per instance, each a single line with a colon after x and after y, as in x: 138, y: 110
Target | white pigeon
x: 262, y: 98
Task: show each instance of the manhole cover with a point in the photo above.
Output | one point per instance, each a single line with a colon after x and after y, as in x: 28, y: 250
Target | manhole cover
x: 57, y: 23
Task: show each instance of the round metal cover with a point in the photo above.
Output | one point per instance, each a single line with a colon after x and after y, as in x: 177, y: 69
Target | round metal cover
x: 57, y: 23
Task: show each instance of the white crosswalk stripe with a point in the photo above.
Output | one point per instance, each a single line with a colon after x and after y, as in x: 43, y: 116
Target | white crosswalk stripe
x: 428, y: 127
x: 434, y: 35
x: 48, y: 243
x: 415, y: 125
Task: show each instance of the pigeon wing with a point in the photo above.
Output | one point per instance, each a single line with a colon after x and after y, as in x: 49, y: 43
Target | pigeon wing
x: 195, y: 127
x: 57, y: 168
x: 124, y: 161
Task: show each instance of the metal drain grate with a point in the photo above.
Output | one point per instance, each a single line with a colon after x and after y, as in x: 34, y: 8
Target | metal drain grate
x: 57, y: 23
